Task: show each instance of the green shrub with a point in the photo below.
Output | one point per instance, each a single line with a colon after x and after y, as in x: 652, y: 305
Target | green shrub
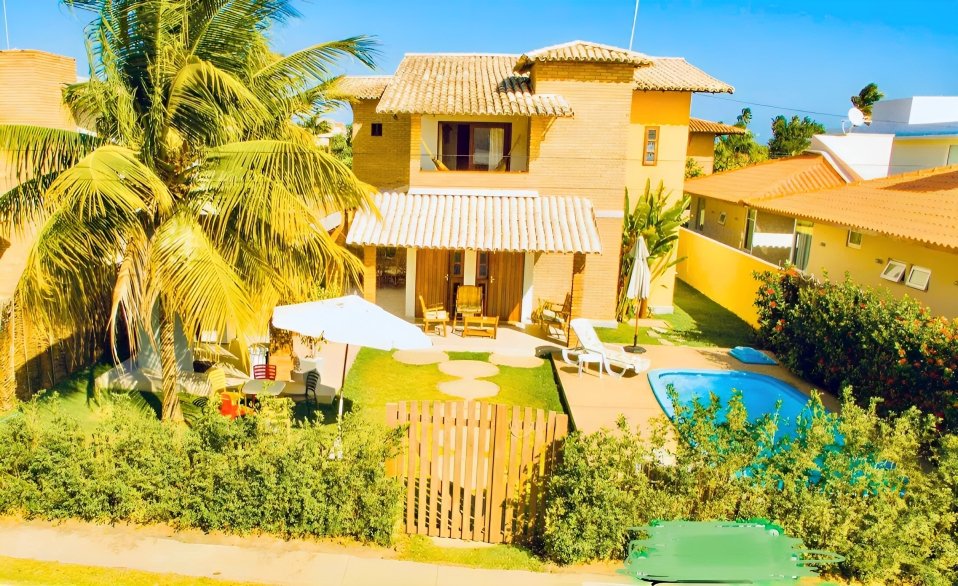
x: 840, y: 334
x: 257, y: 473
x: 854, y: 484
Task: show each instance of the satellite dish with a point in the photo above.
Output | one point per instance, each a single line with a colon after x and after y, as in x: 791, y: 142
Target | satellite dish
x: 856, y: 117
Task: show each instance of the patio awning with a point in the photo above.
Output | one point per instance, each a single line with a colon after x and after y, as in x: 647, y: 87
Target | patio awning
x: 485, y: 220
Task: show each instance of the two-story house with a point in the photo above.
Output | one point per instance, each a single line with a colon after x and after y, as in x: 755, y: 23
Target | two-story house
x: 509, y: 171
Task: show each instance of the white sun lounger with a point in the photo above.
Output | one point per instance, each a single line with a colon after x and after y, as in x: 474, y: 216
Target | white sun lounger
x: 589, y: 343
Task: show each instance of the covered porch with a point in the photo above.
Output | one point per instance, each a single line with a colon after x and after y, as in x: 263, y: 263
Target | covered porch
x: 491, y: 239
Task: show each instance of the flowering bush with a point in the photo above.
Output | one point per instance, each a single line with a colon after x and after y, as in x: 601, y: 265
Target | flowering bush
x: 838, y: 334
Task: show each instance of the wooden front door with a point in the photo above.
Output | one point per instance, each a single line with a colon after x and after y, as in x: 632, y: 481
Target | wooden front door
x: 503, y: 287
x: 456, y: 276
x: 432, y: 269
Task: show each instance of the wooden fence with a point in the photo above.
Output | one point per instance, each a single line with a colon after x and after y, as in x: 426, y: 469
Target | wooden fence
x: 476, y: 471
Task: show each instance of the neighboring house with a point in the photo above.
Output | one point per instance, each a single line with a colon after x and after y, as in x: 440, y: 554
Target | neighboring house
x: 909, y: 134
x: 702, y: 135
x: 724, y: 205
x: 31, y: 92
x: 900, y: 232
x: 509, y: 171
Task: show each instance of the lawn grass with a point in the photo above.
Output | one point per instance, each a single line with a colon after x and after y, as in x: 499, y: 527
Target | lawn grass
x: 376, y: 379
x: 17, y: 572
x: 697, y: 321
x: 420, y: 548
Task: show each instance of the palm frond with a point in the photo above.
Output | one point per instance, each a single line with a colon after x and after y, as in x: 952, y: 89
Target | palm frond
x: 314, y: 65
x: 211, y: 106
x: 108, y: 181
x: 201, y: 286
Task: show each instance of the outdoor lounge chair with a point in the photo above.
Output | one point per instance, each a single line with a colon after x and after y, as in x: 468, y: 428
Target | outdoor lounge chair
x: 434, y: 314
x: 589, y: 343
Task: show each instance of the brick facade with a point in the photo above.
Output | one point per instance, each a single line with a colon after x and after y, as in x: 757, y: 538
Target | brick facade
x: 381, y: 161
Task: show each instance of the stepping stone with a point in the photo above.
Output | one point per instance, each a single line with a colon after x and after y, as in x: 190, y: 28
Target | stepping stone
x: 420, y: 357
x: 469, y: 369
x: 515, y: 361
x: 469, y: 389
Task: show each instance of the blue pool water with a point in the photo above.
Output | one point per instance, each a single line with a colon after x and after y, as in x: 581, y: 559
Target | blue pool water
x: 759, y: 392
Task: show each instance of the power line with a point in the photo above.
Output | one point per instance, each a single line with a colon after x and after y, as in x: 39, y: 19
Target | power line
x: 771, y: 106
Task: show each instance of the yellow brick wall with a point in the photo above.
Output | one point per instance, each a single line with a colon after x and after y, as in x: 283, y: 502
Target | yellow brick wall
x: 381, y: 161
x: 552, y: 277
x: 31, y: 92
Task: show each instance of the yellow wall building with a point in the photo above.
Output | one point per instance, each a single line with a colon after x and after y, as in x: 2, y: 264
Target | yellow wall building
x: 565, y: 128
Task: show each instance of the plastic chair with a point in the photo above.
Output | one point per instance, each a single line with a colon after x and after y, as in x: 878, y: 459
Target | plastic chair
x: 468, y: 302
x: 217, y: 380
x: 312, y: 381
x: 264, y: 372
x: 230, y: 407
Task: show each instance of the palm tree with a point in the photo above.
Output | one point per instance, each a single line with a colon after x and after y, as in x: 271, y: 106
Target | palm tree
x: 194, y: 196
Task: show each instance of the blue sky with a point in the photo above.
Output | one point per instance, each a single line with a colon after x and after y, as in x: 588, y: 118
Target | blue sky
x: 803, y: 55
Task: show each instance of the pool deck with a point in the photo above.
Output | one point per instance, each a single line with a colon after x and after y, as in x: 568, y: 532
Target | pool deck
x: 596, y: 403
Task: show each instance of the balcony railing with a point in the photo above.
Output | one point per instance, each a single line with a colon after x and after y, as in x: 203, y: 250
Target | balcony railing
x: 478, y: 162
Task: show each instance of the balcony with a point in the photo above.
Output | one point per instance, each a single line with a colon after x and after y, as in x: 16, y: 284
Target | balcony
x: 479, y: 162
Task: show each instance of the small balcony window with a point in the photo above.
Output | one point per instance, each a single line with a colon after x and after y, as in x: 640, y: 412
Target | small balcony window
x: 854, y: 239
x: 918, y: 278
x: 651, y: 155
x: 894, y: 271
x: 477, y: 146
x: 376, y: 129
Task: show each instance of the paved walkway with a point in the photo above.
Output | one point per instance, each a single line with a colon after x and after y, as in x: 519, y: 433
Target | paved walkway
x: 268, y: 561
x: 596, y: 403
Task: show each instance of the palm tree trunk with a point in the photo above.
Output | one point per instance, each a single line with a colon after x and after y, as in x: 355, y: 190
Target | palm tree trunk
x: 171, y: 403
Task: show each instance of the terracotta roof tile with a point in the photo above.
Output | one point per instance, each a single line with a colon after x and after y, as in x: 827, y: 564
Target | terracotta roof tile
x: 699, y: 125
x: 921, y: 206
x: 582, y: 51
x: 479, y: 222
x: 466, y: 85
x: 767, y: 180
x: 677, y: 75
x: 365, y: 87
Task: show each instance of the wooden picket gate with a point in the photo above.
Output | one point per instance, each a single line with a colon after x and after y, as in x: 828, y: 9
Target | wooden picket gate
x: 474, y: 471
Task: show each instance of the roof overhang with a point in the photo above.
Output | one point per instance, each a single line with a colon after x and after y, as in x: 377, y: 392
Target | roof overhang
x: 480, y: 220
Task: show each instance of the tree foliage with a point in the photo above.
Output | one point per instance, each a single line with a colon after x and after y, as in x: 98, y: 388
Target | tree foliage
x: 738, y: 150
x: 878, y: 491
x: 198, y: 195
x: 792, y: 137
x: 693, y: 169
x: 866, y: 99
x: 656, y: 217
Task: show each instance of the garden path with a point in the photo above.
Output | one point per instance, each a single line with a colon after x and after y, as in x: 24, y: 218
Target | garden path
x: 251, y: 559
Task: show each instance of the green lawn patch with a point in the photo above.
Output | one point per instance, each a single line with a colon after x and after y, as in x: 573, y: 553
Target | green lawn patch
x: 19, y: 572
x: 698, y: 321
x: 376, y: 379
x: 420, y: 548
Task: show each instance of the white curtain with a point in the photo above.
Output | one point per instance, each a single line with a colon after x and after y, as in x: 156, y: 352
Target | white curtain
x: 497, y: 138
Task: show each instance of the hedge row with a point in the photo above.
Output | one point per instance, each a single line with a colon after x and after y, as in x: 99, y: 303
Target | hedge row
x: 854, y: 485
x: 258, y: 473
x: 838, y: 334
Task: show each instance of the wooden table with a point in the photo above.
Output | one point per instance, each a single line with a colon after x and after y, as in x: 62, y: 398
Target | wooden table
x: 479, y: 325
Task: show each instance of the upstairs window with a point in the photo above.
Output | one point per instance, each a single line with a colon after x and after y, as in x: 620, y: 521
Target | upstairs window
x: 475, y: 146
x: 651, y: 153
x: 377, y: 129
x: 854, y: 239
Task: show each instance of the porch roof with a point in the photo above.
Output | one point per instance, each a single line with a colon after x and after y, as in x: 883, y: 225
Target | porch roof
x: 515, y: 222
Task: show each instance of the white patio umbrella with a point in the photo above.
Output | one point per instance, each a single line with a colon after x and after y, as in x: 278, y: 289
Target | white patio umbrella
x: 640, y: 287
x: 350, y: 320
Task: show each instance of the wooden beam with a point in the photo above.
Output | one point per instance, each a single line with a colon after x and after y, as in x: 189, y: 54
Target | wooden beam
x: 369, y: 274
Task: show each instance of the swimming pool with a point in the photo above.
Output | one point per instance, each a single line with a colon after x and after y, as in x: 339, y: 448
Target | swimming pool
x: 759, y: 392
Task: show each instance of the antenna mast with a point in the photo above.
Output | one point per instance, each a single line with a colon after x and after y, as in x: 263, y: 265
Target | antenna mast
x: 6, y: 27
x: 634, y: 18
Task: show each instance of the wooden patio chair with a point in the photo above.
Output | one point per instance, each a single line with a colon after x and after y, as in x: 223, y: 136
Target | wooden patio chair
x: 468, y: 302
x: 434, y: 314
x: 554, y: 318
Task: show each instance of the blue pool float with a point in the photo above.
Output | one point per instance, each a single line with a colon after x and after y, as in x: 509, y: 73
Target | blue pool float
x: 751, y: 356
